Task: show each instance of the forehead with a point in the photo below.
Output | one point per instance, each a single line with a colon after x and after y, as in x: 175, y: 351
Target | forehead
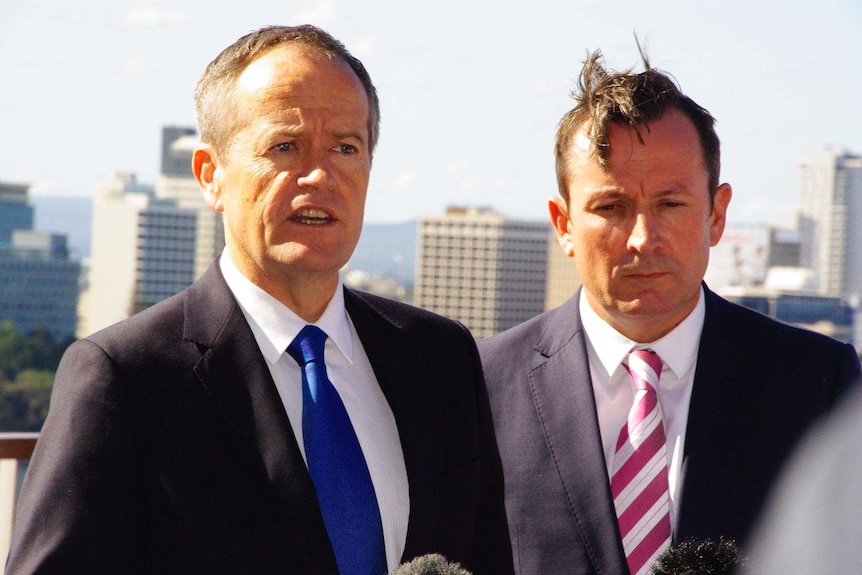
x: 668, y: 142
x: 306, y: 77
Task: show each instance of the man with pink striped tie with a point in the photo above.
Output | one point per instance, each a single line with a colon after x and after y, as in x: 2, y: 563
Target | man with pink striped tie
x: 646, y: 410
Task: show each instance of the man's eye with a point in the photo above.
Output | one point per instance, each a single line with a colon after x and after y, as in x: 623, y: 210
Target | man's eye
x: 283, y: 147
x: 345, y: 148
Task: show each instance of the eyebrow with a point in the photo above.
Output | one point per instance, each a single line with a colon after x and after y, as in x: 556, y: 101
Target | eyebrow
x: 347, y: 135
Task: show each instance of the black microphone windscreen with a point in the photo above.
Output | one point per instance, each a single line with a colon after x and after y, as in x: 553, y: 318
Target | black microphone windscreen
x: 699, y: 557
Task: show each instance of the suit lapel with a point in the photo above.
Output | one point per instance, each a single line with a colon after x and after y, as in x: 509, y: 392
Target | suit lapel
x: 384, y: 342
x: 564, y: 401
x: 715, y: 430
x: 236, y: 377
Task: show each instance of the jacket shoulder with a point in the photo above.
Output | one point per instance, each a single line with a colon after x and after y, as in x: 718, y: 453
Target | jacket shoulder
x: 399, y: 314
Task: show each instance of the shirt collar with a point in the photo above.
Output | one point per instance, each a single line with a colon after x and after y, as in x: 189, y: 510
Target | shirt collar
x: 274, y: 324
x: 677, y: 349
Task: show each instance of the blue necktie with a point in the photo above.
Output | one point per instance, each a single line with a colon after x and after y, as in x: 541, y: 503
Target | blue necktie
x: 337, y: 466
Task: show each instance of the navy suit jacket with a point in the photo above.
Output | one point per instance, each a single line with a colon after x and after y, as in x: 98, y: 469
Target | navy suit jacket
x: 757, y: 385
x: 168, y: 450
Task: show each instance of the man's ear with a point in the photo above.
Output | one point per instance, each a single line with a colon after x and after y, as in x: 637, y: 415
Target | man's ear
x: 207, y: 170
x: 559, y: 213
x: 718, y: 217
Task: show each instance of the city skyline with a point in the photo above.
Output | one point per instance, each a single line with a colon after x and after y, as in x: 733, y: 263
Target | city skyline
x: 471, y: 94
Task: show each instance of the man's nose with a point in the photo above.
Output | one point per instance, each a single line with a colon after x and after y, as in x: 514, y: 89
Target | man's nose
x: 644, y: 235
x: 315, y: 171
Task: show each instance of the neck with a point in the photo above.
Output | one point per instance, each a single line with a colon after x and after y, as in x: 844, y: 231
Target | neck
x: 306, y: 297
x: 305, y: 293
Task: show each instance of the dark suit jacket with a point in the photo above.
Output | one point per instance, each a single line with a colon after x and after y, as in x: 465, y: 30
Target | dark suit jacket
x: 168, y: 450
x: 757, y: 385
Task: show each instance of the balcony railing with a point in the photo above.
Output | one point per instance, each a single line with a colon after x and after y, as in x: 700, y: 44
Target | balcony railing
x: 15, y: 451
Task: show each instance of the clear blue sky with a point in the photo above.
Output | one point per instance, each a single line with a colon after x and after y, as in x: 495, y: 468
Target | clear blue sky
x: 471, y: 91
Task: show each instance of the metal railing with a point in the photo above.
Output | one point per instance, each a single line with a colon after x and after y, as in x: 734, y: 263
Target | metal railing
x: 15, y: 451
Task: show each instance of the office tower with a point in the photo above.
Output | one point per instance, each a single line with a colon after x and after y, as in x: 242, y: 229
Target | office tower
x: 831, y: 220
x: 563, y: 277
x: 177, y: 183
x: 38, y: 278
x: 143, y: 251
x: 479, y: 268
x: 16, y: 213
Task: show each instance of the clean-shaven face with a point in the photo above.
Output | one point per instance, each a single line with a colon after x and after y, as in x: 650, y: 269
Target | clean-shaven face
x: 640, y: 231
x: 293, y: 182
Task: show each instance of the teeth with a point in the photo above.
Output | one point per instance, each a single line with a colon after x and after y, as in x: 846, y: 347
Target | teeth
x: 312, y: 216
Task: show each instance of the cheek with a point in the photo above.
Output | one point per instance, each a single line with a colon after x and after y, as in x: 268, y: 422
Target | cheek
x: 357, y: 184
x: 273, y: 197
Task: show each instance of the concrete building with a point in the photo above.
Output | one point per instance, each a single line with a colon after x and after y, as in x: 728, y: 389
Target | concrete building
x: 38, y: 278
x: 746, y: 253
x: 177, y: 183
x: 563, y: 278
x: 16, y: 213
x: 477, y: 267
x: 831, y: 220
x: 143, y: 251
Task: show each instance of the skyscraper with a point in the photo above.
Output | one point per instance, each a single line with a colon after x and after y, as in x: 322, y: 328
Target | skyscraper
x: 177, y: 183
x: 16, y: 213
x: 831, y: 220
x: 484, y: 270
x: 38, y: 278
x: 143, y: 251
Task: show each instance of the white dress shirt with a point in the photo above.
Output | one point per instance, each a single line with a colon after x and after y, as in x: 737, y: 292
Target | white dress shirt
x: 607, y: 348
x: 275, y: 326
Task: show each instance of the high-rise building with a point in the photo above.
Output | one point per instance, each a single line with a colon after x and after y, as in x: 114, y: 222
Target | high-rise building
x: 177, y: 183
x: 38, y: 278
x: 15, y: 209
x: 563, y: 278
x: 479, y: 268
x: 831, y: 220
x: 143, y: 251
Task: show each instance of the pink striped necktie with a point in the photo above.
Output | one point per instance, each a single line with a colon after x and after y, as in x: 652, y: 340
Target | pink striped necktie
x: 639, y: 482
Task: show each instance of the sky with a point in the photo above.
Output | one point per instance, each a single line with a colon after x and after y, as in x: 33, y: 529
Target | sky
x: 471, y: 91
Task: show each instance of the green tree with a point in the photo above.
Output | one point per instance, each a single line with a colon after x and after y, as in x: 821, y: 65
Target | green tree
x: 12, y: 350
x: 24, y: 402
x: 27, y: 366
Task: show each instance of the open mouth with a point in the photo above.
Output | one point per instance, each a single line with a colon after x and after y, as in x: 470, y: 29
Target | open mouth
x: 311, y: 217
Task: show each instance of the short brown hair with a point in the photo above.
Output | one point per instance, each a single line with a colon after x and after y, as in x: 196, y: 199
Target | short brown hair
x: 216, y: 120
x: 633, y: 100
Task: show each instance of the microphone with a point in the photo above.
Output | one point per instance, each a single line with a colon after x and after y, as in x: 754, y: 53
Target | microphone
x: 699, y: 557
x: 431, y: 564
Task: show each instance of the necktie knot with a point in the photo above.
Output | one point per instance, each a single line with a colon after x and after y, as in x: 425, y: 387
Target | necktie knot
x: 644, y: 365
x: 308, y: 345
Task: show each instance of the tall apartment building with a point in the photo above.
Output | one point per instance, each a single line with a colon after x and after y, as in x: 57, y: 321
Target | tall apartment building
x: 16, y: 213
x: 38, y: 278
x: 143, y: 251
x: 831, y: 220
x: 477, y: 267
x: 563, y: 278
x: 177, y: 183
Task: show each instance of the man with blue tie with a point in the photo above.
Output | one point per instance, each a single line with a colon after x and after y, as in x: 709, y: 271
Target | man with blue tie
x: 646, y: 410
x: 268, y: 420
